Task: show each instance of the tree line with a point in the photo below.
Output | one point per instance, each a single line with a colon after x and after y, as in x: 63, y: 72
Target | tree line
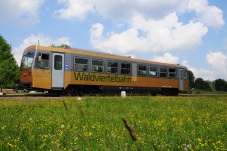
x: 9, y: 71
x: 199, y: 83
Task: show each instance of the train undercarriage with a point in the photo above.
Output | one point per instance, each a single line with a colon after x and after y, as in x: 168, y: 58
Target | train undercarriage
x: 80, y: 90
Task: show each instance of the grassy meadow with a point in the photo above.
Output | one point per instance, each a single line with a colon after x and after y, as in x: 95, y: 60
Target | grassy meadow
x: 113, y: 123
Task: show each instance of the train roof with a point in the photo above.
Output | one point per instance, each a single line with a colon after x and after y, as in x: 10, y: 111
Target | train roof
x: 98, y: 54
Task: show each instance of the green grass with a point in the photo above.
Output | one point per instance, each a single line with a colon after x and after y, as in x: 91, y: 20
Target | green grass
x: 95, y: 123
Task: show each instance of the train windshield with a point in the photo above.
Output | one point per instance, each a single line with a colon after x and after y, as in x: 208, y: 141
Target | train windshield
x: 27, y: 61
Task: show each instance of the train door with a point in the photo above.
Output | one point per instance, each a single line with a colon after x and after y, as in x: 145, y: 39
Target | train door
x: 58, y: 71
x: 134, y: 71
x: 181, y: 78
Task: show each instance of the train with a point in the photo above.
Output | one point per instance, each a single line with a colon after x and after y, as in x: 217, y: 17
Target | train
x: 74, y: 71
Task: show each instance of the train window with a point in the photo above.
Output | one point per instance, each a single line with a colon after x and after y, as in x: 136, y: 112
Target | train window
x: 97, y: 65
x: 27, y: 61
x: 125, y: 68
x: 80, y: 64
x: 142, y: 70
x: 153, y: 72
x: 112, y: 67
x: 42, y: 61
x: 58, y: 62
x: 172, y: 72
x: 163, y: 72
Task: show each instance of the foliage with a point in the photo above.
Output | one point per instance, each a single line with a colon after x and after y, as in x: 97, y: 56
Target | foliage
x: 159, y: 123
x: 65, y: 46
x: 9, y: 70
x: 201, y: 84
x: 191, y: 79
x: 220, y: 85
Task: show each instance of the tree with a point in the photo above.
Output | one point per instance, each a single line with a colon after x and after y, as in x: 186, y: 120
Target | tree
x: 220, y: 85
x: 65, y: 46
x: 9, y: 70
x: 203, y: 85
x: 191, y: 78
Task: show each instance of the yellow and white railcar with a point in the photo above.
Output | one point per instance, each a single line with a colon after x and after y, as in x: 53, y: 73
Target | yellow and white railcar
x: 75, y: 71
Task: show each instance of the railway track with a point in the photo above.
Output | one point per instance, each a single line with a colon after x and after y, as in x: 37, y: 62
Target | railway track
x: 54, y: 95
x: 27, y: 95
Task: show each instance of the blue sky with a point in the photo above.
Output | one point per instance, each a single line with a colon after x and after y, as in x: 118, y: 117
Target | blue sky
x: 187, y: 32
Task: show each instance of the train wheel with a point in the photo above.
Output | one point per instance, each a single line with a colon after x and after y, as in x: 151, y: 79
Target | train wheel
x: 80, y: 91
x: 153, y: 93
x: 174, y: 92
x: 166, y: 92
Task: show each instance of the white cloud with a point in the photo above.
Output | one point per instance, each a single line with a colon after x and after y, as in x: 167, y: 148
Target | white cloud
x: 96, y: 30
x: 160, y: 36
x: 24, y: 11
x: 167, y: 58
x: 205, y: 74
x: 208, y: 15
x: 123, y: 43
x: 170, y: 34
x: 33, y: 40
x: 75, y: 9
x: 218, y: 61
x: 126, y: 10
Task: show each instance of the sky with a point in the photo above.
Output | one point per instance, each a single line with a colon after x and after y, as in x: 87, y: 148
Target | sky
x: 192, y: 33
